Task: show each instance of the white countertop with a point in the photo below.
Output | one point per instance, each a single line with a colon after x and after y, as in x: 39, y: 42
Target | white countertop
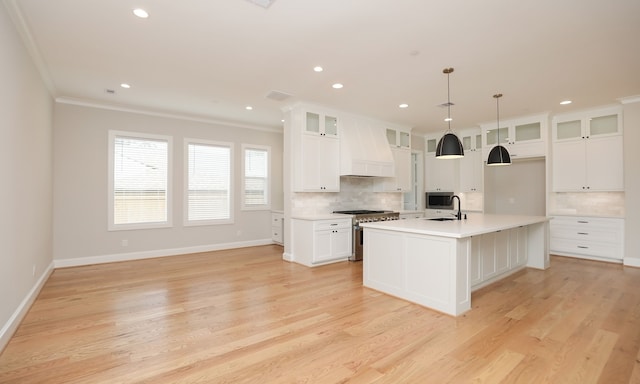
x: 321, y: 216
x: 475, y: 224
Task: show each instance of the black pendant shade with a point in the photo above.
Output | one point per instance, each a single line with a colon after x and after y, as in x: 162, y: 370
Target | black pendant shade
x: 499, y: 154
x: 449, y: 147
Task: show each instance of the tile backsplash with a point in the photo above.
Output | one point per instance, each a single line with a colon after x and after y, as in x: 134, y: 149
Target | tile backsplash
x: 355, y: 193
x: 606, y: 204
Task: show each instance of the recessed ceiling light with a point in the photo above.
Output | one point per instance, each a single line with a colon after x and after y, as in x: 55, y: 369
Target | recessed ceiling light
x: 318, y: 68
x: 125, y: 85
x: 403, y: 105
x: 337, y: 85
x: 248, y: 108
x: 141, y: 13
x: 565, y: 102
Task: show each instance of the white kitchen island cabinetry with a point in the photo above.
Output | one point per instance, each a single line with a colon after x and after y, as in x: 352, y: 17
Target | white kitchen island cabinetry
x: 321, y: 241
x: 438, y: 264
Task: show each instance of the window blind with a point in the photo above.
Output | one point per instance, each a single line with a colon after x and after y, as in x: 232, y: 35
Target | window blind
x: 140, y: 180
x: 256, y: 177
x: 209, y: 182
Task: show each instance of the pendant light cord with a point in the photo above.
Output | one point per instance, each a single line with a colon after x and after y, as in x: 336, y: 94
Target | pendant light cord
x: 497, y: 97
x: 448, y: 102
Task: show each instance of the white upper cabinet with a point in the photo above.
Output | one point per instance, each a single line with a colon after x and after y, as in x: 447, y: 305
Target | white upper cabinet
x: 400, y: 142
x: 399, y: 138
x: 402, y: 180
x: 471, y: 139
x: 587, y: 125
x: 587, y: 151
x: 315, y: 149
x: 439, y: 174
x: 522, y: 137
x: 321, y: 124
x: 471, y: 169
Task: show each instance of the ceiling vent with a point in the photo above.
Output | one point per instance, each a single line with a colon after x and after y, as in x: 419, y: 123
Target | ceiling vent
x: 278, y: 96
x: 445, y: 104
x: 262, y: 3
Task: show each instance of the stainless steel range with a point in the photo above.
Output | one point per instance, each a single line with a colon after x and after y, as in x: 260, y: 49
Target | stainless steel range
x: 364, y: 216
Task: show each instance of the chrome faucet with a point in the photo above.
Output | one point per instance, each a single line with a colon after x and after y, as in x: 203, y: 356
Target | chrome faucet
x: 459, y: 215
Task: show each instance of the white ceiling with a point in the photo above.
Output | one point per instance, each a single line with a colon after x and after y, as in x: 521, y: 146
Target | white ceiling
x: 211, y: 58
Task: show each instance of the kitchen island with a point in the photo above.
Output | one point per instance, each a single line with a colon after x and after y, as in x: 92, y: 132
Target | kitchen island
x: 438, y: 264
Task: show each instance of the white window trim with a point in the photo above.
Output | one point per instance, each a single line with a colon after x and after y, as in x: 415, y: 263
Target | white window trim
x: 193, y: 223
x: 111, y: 226
x: 263, y: 207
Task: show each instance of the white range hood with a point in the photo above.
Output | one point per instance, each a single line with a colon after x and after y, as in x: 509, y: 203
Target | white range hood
x: 364, y: 150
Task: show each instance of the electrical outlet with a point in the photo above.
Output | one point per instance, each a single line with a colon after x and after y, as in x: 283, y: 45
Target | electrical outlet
x: 124, y: 242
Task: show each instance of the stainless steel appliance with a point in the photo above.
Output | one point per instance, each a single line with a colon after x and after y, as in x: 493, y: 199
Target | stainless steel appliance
x: 439, y: 200
x: 364, y: 216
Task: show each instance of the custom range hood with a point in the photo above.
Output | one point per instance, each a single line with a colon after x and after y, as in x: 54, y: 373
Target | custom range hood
x: 364, y: 150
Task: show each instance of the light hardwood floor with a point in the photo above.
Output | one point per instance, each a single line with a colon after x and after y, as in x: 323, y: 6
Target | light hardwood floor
x: 246, y: 316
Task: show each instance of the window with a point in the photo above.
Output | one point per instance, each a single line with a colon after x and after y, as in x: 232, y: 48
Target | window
x: 208, y: 192
x: 255, y: 182
x: 139, y: 180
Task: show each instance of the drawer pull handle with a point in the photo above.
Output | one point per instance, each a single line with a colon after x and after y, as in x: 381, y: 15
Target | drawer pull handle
x: 583, y: 247
x: 583, y: 222
x: 333, y: 224
x: 583, y: 233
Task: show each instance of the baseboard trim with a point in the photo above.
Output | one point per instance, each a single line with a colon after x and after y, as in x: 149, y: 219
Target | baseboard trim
x: 14, y: 321
x: 631, y: 262
x: 102, y: 259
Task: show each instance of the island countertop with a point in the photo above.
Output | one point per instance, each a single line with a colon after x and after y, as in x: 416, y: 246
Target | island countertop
x: 475, y: 224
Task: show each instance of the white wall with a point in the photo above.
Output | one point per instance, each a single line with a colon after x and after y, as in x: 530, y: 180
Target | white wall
x: 25, y: 169
x: 632, y: 182
x: 517, y: 189
x: 80, y: 188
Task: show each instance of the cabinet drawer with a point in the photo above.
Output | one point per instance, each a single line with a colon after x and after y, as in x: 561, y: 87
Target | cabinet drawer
x: 584, y: 248
x: 331, y: 224
x: 276, y: 235
x: 590, y: 234
x: 586, y: 222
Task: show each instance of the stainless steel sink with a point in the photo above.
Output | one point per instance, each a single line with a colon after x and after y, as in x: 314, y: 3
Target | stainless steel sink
x: 442, y: 219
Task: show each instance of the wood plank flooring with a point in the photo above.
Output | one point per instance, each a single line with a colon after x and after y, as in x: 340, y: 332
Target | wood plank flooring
x: 246, y: 316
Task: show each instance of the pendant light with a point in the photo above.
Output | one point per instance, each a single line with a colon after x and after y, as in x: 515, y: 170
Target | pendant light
x: 499, y: 154
x: 449, y: 146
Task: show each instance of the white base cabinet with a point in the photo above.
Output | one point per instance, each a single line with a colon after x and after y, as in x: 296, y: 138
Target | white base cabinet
x: 277, y: 227
x: 594, y: 238
x: 317, y: 242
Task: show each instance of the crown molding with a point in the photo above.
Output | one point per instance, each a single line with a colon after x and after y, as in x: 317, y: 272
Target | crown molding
x: 629, y: 99
x: 169, y: 115
x: 22, y: 27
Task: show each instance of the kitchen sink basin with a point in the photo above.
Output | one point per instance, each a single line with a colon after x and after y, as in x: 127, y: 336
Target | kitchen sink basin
x: 442, y: 219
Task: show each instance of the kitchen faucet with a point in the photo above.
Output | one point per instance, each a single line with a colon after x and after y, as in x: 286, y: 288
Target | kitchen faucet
x: 459, y: 215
